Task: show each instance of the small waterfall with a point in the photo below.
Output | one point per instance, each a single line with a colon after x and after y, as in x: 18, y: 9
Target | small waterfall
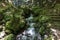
x: 30, y: 33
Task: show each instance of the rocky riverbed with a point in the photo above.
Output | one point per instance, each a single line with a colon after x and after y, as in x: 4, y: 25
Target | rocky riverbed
x: 55, y: 34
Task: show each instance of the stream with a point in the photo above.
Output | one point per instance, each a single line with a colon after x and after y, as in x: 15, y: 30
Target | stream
x: 30, y: 33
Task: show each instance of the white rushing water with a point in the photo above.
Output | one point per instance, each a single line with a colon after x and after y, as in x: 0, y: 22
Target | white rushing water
x: 30, y: 33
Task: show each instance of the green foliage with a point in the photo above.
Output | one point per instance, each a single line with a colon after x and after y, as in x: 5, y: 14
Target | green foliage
x: 42, y: 30
x: 12, y: 16
x: 15, y: 18
x: 57, y: 6
x: 14, y: 21
x: 41, y: 19
x: 36, y: 10
x: 49, y: 38
x: 43, y: 22
x: 9, y: 37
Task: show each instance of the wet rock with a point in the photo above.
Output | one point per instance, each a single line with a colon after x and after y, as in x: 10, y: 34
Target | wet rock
x: 56, y: 34
x: 2, y: 34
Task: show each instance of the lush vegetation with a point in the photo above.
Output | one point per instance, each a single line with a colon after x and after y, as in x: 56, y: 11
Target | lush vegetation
x: 14, y: 21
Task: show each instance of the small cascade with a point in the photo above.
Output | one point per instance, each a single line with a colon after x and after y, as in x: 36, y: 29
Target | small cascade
x: 30, y: 33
